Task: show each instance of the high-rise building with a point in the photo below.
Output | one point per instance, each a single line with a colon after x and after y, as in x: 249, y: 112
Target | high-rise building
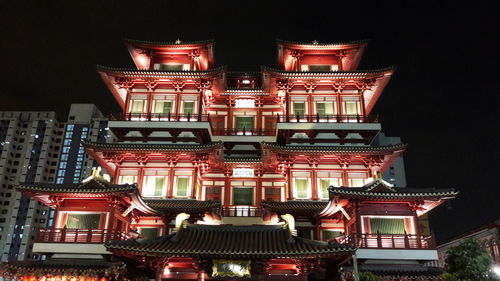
x: 36, y: 148
x: 30, y: 143
x: 264, y: 175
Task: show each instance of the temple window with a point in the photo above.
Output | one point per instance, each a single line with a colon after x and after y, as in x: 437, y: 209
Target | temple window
x: 188, y: 107
x: 81, y: 220
x: 327, y: 179
x: 351, y: 106
x: 149, y: 232
x: 181, y: 186
x: 127, y: 176
x: 243, y: 195
x: 326, y: 108
x: 319, y: 67
x: 302, y: 190
x: 357, y: 179
x: 299, y: 108
x: 329, y: 234
x: 244, y: 122
x: 138, y: 103
x: 155, y: 182
x: 388, y: 224
x: 173, y: 66
x: 163, y: 103
x: 325, y: 184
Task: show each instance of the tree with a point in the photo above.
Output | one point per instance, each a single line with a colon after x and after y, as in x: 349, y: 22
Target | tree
x: 467, y: 262
x: 368, y: 276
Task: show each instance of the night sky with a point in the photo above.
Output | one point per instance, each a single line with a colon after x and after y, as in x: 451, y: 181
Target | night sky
x: 443, y: 100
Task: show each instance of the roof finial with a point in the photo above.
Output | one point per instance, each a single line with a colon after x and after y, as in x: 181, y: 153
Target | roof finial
x: 178, y: 41
x: 315, y: 42
x: 377, y: 175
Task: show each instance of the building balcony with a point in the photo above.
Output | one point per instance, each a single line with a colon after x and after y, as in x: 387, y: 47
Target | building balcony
x: 391, y: 247
x: 388, y: 241
x: 243, y: 132
x: 77, y: 235
x: 327, y: 118
x: 241, y: 211
x: 72, y: 241
x: 165, y: 117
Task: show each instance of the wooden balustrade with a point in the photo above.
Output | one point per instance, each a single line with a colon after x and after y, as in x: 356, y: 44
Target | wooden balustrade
x: 327, y: 118
x: 241, y: 211
x: 388, y: 241
x: 167, y: 117
x: 243, y: 132
x: 78, y: 235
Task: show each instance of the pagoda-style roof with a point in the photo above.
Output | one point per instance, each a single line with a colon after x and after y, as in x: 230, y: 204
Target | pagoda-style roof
x: 356, y: 74
x: 74, y: 267
x: 381, y: 190
x: 244, y: 92
x: 106, y: 153
x: 338, y: 149
x: 176, y: 206
x: 151, y: 147
x: 243, y: 160
x: 296, y: 208
x: 93, y: 188
x: 168, y: 44
x: 152, y: 73
x: 233, y: 242
x: 322, y: 45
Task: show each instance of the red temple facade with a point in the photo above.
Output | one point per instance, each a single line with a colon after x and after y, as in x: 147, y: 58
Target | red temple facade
x: 264, y: 175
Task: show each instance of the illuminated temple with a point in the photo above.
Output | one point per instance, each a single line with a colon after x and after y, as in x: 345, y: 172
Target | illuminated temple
x: 221, y: 175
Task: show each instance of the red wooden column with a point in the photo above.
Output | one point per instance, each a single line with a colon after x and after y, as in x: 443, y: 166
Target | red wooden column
x: 195, y: 179
x: 314, y: 184
x: 170, y: 186
x: 227, y: 191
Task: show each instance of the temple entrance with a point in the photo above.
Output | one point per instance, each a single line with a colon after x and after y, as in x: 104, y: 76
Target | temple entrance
x: 243, y: 196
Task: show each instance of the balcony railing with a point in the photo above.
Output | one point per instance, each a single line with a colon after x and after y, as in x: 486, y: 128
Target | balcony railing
x: 243, y: 132
x: 168, y: 117
x: 78, y: 235
x: 327, y: 118
x: 241, y: 211
x: 388, y: 241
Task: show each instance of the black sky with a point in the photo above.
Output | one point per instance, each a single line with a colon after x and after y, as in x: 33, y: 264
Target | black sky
x: 443, y: 99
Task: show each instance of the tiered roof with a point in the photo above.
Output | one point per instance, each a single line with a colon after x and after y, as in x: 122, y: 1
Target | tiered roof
x: 175, y: 206
x: 296, y: 208
x: 238, y: 242
x: 381, y: 190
